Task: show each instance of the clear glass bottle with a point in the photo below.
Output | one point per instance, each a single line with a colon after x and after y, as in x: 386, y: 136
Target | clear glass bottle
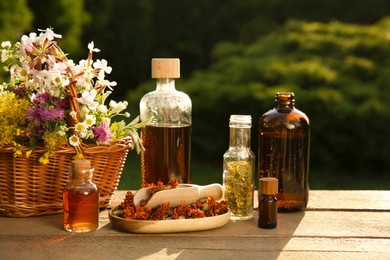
x: 284, y: 137
x: 167, y: 139
x: 239, y: 169
x: 268, y: 203
x: 81, y: 199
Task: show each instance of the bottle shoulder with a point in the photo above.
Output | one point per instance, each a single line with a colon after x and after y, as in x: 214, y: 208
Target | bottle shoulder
x: 243, y: 153
x: 166, y: 107
x: 81, y: 186
x: 282, y: 117
x: 171, y: 94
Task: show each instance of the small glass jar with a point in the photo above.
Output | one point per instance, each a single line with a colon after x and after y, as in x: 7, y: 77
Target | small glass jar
x: 239, y: 169
x: 81, y: 199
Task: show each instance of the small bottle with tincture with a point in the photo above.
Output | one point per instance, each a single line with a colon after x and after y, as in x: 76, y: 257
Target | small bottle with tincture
x: 81, y: 199
x: 268, y: 207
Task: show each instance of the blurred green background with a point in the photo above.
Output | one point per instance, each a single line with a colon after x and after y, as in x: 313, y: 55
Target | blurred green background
x: 334, y: 54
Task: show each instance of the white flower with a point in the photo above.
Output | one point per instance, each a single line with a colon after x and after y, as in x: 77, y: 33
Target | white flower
x: 73, y: 114
x: 117, y: 107
x: 102, y: 109
x: 62, y: 130
x: 61, y: 133
x: 22, y: 73
x: 4, y: 55
x: 106, y: 83
x: 113, y: 104
x: 49, y: 34
x: 60, y: 67
x: 26, y: 42
x: 84, y: 134
x: 89, y: 120
x: 127, y: 114
x: 103, y: 68
x: 74, y: 140
x: 88, y: 98
x: 60, y: 80
x: 80, y: 127
x: 6, y: 45
x: 92, y: 48
x: 84, y: 111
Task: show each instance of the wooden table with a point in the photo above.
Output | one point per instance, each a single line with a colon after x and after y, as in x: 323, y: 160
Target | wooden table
x: 336, y: 225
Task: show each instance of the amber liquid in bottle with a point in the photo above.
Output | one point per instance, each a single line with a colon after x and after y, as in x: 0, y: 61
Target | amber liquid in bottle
x: 81, y: 199
x: 81, y: 213
x: 284, y: 153
x: 166, y: 155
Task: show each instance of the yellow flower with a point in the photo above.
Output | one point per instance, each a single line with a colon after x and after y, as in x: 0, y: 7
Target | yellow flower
x: 78, y: 156
x: 17, y: 153
x: 28, y: 153
x: 44, y: 159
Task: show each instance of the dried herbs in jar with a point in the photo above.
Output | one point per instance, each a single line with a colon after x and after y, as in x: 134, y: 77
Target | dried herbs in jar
x: 238, y: 169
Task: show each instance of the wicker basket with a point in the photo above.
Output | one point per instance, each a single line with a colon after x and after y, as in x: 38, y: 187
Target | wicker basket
x: 29, y: 188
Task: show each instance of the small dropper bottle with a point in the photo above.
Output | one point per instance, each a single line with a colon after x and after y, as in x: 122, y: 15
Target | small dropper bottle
x: 268, y: 207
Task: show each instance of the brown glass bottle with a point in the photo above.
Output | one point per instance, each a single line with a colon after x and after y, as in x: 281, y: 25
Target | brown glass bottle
x: 81, y: 199
x: 284, y: 137
x: 268, y: 207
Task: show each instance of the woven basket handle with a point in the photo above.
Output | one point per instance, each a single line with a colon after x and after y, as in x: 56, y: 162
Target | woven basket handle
x: 74, y: 105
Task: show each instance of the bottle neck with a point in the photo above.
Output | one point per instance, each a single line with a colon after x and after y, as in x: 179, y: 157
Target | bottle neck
x: 165, y: 85
x: 240, y: 137
x: 81, y: 176
x: 284, y: 101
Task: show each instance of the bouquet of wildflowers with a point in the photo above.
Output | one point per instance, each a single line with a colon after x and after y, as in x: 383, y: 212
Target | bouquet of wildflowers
x: 53, y: 102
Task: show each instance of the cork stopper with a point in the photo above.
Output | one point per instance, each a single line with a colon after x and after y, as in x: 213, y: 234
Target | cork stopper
x: 81, y: 170
x: 268, y: 186
x: 81, y: 165
x: 165, y: 68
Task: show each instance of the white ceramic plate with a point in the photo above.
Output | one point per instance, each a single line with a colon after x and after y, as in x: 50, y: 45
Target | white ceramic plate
x: 167, y: 226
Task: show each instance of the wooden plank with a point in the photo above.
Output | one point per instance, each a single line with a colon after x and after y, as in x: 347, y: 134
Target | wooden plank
x: 306, y: 224
x: 187, y: 247
x: 349, y: 200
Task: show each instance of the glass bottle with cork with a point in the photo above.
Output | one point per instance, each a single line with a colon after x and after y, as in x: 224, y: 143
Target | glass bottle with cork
x: 284, y: 138
x: 81, y: 199
x: 268, y: 207
x: 239, y: 169
x: 167, y: 139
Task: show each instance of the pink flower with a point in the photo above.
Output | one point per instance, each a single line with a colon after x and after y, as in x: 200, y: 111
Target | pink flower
x: 102, y: 134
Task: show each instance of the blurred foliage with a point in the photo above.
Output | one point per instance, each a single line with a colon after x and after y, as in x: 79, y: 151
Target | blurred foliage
x: 11, y: 25
x: 66, y: 17
x: 234, y: 56
x: 339, y: 73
